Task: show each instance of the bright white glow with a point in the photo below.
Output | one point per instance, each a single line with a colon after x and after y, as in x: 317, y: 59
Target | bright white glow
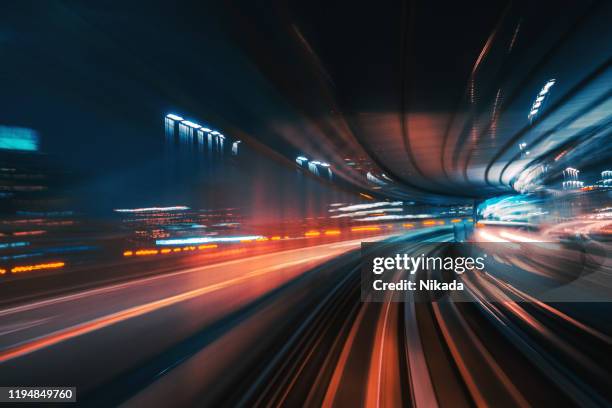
x: 395, y: 217
x: 207, y: 129
x: 214, y: 132
x: 366, y: 212
x: 490, y: 237
x: 174, y: 117
x: 151, y: 209
x: 377, y: 204
x: 324, y: 164
x: 191, y: 124
x: 540, y: 98
x: 221, y: 136
x: 517, y: 237
x: 301, y: 158
x: 204, y: 240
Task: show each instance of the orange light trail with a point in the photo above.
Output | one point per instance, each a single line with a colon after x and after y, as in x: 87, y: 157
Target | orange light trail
x: 333, y: 232
x: 371, y: 228
x: 21, y: 233
x: 276, y: 238
x: 312, y: 234
x: 408, y: 225
x: 142, y: 252
x: 456, y: 220
x: 139, y: 310
x: 429, y: 222
x: 29, y: 268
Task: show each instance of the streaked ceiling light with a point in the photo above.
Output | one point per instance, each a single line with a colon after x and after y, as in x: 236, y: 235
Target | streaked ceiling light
x: 540, y: 98
x: 151, y: 209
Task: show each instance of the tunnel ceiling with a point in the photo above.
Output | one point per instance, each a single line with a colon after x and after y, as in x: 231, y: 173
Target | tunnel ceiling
x: 438, y: 99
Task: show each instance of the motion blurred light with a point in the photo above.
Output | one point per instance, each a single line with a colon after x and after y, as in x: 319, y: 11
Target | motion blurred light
x: 537, y: 104
x: 151, y: 209
x: 203, y: 240
x: 18, y: 138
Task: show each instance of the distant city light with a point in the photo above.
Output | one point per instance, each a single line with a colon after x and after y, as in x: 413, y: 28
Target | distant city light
x: 151, y: 209
x: 235, y: 147
x: 174, y: 117
x: 18, y: 138
x: 204, y: 240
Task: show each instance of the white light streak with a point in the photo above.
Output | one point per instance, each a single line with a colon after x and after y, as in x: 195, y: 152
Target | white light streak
x: 204, y: 240
x: 151, y: 209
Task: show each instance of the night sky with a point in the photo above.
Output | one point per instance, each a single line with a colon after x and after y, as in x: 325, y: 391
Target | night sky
x: 95, y: 79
